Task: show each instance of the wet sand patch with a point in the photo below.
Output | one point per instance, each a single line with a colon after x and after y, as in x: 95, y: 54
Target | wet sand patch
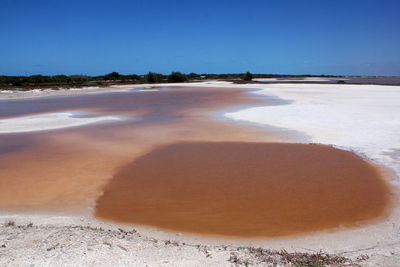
x: 246, y: 189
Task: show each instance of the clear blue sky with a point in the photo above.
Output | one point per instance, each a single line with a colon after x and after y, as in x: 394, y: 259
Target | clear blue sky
x: 260, y: 36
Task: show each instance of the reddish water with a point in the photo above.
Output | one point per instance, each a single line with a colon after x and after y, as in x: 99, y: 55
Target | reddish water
x: 165, y: 103
x: 66, y: 170
x: 138, y: 171
x: 245, y: 189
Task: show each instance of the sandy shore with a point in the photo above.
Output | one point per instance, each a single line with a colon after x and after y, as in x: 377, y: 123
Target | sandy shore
x: 51, y: 121
x: 6, y: 94
x: 67, y: 240
x: 355, y: 117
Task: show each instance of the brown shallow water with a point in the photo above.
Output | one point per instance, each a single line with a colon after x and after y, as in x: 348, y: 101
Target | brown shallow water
x: 245, y: 189
x: 216, y: 182
x: 66, y: 169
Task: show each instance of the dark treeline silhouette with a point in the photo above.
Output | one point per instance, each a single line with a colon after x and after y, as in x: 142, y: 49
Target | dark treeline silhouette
x: 64, y: 81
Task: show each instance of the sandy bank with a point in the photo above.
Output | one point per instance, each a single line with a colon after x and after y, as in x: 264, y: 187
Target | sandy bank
x: 54, y: 240
x: 305, y: 79
x: 51, y: 121
x: 5, y: 94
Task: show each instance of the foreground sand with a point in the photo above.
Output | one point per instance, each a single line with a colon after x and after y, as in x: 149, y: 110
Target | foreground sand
x: 70, y: 240
x: 66, y: 240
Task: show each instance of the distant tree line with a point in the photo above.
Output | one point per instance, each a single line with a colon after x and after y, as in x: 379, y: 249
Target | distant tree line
x: 59, y: 81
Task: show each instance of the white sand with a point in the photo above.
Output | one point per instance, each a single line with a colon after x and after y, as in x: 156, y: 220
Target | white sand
x: 305, y: 79
x: 50, y: 121
x: 14, y: 94
x: 363, y: 118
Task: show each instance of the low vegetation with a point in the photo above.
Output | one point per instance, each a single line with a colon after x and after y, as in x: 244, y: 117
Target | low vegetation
x: 248, y: 76
x: 113, y: 78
